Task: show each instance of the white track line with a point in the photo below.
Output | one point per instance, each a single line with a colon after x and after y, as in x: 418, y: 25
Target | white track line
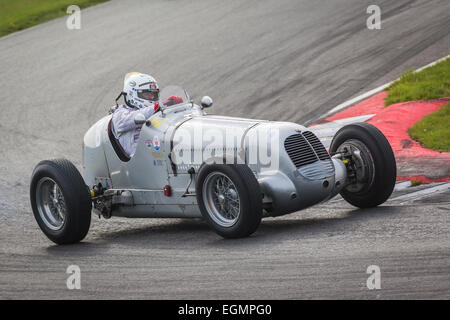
x: 402, y: 185
x: 374, y: 91
x: 424, y: 192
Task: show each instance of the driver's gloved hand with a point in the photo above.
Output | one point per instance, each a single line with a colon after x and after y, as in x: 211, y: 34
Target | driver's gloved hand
x: 170, y: 101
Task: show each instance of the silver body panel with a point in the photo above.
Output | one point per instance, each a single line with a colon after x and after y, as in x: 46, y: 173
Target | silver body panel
x: 286, y: 188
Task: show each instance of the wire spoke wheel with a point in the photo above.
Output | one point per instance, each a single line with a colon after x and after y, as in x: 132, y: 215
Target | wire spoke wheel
x: 51, y: 203
x: 229, y: 198
x: 221, y: 199
x: 60, y: 201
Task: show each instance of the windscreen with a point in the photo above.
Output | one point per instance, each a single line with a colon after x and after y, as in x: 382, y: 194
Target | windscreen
x: 172, y: 96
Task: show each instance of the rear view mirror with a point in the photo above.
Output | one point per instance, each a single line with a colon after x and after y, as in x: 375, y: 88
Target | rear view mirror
x: 206, y: 102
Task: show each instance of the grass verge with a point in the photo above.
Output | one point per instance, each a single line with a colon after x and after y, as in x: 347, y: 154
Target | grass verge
x: 20, y: 14
x: 433, y: 131
x: 431, y: 83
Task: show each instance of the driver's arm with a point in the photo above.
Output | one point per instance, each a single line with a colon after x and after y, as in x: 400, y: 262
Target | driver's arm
x: 123, y: 119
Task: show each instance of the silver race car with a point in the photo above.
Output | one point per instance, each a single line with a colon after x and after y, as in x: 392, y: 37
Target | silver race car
x: 229, y: 171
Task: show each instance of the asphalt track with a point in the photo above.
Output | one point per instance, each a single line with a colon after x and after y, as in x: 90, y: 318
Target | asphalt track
x: 281, y: 60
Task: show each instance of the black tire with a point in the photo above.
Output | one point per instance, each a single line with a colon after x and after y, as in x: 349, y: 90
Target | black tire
x: 250, y: 197
x: 385, y: 170
x: 75, y: 195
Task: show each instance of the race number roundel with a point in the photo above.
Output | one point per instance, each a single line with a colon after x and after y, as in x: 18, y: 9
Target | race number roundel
x: 156, y: 144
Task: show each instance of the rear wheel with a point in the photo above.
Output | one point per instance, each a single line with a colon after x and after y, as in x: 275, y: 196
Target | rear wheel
x: 60, y: 201
x: 370, y: 162
x: 230, y: 199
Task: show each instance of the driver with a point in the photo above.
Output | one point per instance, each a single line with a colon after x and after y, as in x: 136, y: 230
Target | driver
x: 141, y: 93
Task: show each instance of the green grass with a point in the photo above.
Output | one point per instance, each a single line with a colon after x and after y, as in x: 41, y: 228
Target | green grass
x: 16, y: 15
x: 433, y: 131
x: 431, y: 83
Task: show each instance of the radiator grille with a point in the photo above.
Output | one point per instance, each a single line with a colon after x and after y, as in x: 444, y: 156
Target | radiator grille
x: 317, y: 145
x: 305, y: 148
x: 299, y: 150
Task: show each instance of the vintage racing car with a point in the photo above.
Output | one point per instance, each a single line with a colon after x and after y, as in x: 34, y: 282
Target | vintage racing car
x: 229, y: 171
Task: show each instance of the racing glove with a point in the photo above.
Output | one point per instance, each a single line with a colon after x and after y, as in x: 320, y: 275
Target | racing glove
x: 170, y: 101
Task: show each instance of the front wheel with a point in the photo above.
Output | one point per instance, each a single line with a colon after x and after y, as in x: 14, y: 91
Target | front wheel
x: 370, y: 162
x: 60, y: 201
x: 230, y: 199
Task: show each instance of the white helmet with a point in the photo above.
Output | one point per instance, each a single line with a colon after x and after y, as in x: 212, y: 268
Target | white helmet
x: 140, y: 90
